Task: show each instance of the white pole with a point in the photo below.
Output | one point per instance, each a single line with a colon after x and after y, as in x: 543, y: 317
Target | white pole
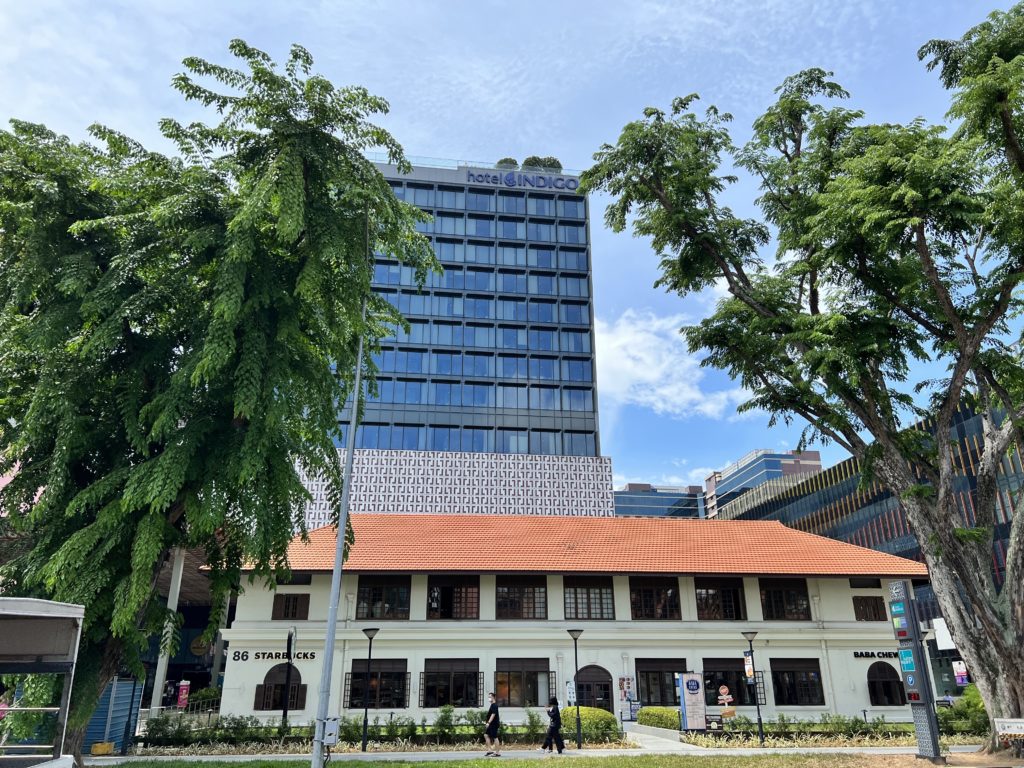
x: 324, y: 697
x: 172, y: 605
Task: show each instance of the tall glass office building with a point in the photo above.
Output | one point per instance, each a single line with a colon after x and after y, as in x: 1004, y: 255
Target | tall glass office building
x: 499, y: 355
x: 488, y: 403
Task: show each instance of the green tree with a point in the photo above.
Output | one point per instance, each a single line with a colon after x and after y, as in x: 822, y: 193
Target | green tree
x: 535, y: 163
x: 176, y: 337
x: 507, y: 163
x: 897, y: 246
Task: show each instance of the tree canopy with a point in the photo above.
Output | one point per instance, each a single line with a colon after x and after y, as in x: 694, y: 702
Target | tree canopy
x: 898, y: 247
x: 177, y: 335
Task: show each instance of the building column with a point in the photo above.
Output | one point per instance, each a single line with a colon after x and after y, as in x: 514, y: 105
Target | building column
x: 218, y: 646
x: 172, y: 605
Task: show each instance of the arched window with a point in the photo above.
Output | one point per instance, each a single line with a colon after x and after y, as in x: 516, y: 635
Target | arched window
x: 885, y: 686
x: 270, y: 695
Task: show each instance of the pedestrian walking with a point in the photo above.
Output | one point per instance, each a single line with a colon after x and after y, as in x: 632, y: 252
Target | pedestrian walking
x: 491, y: 729
x: 554, y: 735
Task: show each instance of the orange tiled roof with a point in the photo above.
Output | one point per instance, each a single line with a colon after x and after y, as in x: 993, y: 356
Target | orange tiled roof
x: 555, y: 544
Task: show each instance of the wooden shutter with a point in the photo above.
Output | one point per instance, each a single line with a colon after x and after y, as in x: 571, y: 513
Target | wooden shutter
x: 300, y: 699
x: 408, y: 677
x: 423, y: 681
x: 347, y: 695
x: 552, y: 686
x: 303, y: 608
x: 277, y: 614
x: 480, y: 689
x: 257, y: 703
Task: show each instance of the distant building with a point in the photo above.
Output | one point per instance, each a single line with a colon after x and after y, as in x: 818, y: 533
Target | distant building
x: 757, y: 467
x: 645, y: 500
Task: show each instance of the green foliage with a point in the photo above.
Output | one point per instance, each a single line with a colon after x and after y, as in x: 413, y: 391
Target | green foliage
x: 31, y: 691
x: 444, y: 724
x: 597, y: 724
x: 967, y: 715
x: 535, y: 725
x: 176, y: 335
x: 659, y: 717
x: 897, y: 246
x: 204, y: 695
x: 535, y: 163
x: 475, y: 718
x: 507, y: 163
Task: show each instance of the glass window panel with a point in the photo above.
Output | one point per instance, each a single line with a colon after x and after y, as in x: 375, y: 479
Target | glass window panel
x: 571, y: 208
x: 541, y: 257
x: 509, y: 203
x: 512, y: 367
x: 543, y: 368
x: 512, y: 441
x: 542, y: 284
x: 544, y: 398
x: 540, y: 206
x: 544, y: 442
x: 544, y: 312
x: 479, y: 201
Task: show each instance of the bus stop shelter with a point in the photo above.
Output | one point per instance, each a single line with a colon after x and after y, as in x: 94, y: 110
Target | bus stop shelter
x: 39, y: 637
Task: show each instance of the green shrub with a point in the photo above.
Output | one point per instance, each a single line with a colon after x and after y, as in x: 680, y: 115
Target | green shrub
x: 784, y: 724
x: 350, y: 729
x: 535, y: 725
x: 659, y: 717
x: 444, y: 724
x: 168, y: 730
x: 507, y: 163
x: 232, y: 729
x: 474, y: 718
x: 203, y: 695
x: 598, y: 724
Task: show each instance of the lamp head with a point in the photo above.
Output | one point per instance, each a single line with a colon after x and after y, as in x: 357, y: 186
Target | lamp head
x: 575, y: 633
x: 749, y: 636
x: 371, y: 632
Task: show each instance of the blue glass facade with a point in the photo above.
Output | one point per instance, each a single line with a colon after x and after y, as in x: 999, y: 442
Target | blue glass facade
x: 499, y: 356
x: 754, y: 469
x: 641, y: 500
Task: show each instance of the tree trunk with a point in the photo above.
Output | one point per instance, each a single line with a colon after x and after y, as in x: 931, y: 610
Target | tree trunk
x: 984, y: 625
x: 84, y: 705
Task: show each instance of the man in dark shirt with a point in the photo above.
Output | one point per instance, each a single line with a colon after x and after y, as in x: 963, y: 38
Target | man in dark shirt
x: 491, y: 729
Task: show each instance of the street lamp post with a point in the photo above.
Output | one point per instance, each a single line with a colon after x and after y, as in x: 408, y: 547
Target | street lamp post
x: 370, y: 633
x: 575, y: 635
x: 753, y: 671
x: 289, y: 646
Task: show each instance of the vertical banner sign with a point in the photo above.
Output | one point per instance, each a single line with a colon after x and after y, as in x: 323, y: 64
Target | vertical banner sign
x: 626, y: 690
x: 183, y: 687
x: 960, y: 673
x: 748, y: 666
x: 570, y: 692
x: 692, y: 708
x: 913, y: 665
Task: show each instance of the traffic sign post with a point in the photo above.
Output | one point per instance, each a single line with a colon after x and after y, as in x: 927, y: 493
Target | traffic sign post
x: 907, y: 628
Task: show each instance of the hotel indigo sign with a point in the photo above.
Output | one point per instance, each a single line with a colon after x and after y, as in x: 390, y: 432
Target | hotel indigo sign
x: 514, y: 179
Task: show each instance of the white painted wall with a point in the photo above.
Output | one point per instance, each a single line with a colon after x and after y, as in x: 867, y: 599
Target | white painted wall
x: 833, y: 637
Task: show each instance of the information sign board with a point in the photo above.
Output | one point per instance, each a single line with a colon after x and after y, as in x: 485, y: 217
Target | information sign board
x: 570, y: 692
x: 692, y: 709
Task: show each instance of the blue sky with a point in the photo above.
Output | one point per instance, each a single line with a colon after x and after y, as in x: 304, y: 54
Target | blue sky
x: 483, y: 80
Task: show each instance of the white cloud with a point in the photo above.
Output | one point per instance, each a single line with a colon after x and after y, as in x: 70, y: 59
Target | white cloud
x: 643, y: 361
x: 694, y: 476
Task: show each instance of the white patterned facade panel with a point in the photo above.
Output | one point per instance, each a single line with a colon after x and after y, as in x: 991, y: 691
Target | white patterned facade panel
x: 446, y: 482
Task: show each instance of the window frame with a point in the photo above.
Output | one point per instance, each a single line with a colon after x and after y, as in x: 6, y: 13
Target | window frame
x: 592, y: 598
x: 467, y: 604
x: 521, y: 590
x: 382, y: 582
x: 720, y: 586
x: 776, y: 602
x: 644, y: 594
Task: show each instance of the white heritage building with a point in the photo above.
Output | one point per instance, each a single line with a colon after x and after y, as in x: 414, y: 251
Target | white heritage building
x: 473, y: 603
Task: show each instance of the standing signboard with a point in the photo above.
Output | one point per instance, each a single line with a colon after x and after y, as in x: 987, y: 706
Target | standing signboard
x: 570, y: 692
x: 692, y: 709
x: 913, y: 666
